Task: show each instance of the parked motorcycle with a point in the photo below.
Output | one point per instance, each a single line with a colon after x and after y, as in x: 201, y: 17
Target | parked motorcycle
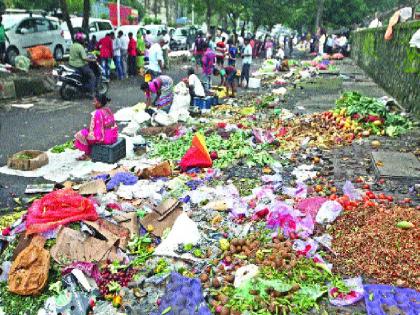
x: 72, y: 84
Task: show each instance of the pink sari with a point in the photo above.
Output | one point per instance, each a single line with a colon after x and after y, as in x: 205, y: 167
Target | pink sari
x: 102, y: 130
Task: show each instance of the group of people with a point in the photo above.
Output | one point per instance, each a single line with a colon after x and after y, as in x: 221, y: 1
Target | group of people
x: 322, y: 42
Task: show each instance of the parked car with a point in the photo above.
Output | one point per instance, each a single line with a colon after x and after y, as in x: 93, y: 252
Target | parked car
x: 25, y: 31
x: 156, y: 31
x: 179, y: 39
x: 131, y: 29
x: 97, y: 27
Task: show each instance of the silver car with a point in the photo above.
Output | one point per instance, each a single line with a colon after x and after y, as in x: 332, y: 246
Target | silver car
x: 26, y: 31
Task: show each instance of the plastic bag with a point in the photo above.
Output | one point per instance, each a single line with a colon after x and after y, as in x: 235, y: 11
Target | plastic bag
x: 310, y: 206
x: 300, y: 191
x: 163, y: 119
x: 351, y: 192
x: 88, y: 268
x: 328, y: 212
x: 22, y: 63
x: 197, y: 155
x: 29, y: 271
x: 392, y: 22
x: 306, y: 248
x: 121, y: 178
x: 341, y: 299
x: 58, y: 208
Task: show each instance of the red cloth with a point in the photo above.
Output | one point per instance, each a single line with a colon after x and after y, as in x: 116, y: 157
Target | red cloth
x: 58, y: 208
x: 105, y: 47
x: 132, y: 47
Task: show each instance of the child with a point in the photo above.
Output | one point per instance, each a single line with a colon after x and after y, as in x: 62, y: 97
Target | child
x: 227, y: 75
x: 233, y: 51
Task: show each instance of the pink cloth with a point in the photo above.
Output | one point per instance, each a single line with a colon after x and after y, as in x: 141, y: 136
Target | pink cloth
x: 102, y: 130
x: 208, y: 61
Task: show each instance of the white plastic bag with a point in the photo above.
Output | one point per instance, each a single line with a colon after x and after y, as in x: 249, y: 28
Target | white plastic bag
x: 162, y: 118
x: 328, y: 212
x: 181, y: 103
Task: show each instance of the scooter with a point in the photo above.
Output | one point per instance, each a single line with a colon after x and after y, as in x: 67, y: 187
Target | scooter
x: 72, y: 84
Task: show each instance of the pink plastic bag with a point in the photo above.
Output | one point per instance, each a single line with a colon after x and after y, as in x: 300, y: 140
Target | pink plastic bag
x: 311, y: 205
x: 341, y: 299
x: 59, y: 208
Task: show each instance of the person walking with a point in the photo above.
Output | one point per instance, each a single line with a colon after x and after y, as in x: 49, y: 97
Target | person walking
x: 246, y: 63
x: 199, y: 49
x: 321, y: 41
x: 233, y: 52
x: 116, y: 45
x: 209, y: 60
x: 131, y: 55
x: 156, y: 58
x: 269, y: 46
x: 141, y: 51
x: 221, y: 52
x: 105, y: 53
x: 124, y: 51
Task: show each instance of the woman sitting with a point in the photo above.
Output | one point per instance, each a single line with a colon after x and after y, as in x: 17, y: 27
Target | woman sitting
x: 102, y: 130
x: 162, y: 87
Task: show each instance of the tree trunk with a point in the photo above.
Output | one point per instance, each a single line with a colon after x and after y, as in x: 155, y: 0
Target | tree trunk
x: 66, y: 16
x: 167, y: 12
x: 319, y: 12
x: 243, y: 29
x: 86, y: 14
x: 155, y: 8
x: 209, y: 13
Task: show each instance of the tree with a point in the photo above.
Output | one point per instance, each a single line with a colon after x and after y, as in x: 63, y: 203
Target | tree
x: 319, y: 13
x: 66, y: 16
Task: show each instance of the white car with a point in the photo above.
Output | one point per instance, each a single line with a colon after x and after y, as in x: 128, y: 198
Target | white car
x: 25, y: 31
x: 97, y: 27
x: 130, y: 29
x: 156, y: 31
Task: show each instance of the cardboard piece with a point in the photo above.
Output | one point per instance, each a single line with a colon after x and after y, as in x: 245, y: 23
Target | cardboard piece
x: 29, y: 271
x: 161, y: 170
x: 27, y: 160
x: 167, y: 206
x: 93, y: 188
x: 74, y: 246
x: 113, y: 233
x: 24, y: 241
x: 128, y: 220
x: 159, y: 226
x: 39, y: 188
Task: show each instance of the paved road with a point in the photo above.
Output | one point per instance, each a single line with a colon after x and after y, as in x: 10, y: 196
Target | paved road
x: 53, y: 121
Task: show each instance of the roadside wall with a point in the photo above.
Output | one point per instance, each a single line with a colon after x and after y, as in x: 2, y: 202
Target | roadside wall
x: 392, y: 64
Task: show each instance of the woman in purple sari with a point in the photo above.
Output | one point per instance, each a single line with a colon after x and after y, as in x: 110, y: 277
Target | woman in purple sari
x: 102, y: 130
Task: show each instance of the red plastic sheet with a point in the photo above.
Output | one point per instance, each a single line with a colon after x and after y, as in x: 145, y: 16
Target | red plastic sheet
x: 58, y: 208
x: 197, y: 155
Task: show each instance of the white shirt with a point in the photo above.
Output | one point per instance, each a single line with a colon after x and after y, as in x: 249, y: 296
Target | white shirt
x: 116, y: 46
x: 247, y: 51
x: 195, y: 82
x: 167, y: 39
x: 124, y: 42
x: 155, y: 54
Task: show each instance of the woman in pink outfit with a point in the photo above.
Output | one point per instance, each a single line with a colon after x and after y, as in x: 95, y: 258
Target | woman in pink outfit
x: 102, y: 130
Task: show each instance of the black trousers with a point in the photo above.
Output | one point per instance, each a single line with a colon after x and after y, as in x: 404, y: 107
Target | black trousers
x: 89, y: 78
x: 131, y: 64
x: 246, y: 67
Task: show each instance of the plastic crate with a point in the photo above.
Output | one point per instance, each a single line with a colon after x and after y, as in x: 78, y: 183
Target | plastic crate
x: 203, y: 103
x: 109, y: 153
x: 215, y: 100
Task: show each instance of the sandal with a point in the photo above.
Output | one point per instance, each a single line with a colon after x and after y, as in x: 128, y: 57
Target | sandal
x: 84, y: 157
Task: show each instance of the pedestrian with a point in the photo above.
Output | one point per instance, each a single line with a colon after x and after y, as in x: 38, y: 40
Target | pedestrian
x: 148, y: 38
x: 165, y: 49
x: 102, y: 130
x: 291, y: 43
x: 141, y: 51
x: 220, y: 52
x: 3, y: 38
x: 195, y: 86
x: 116, y: 46
x: 228, y: 76
x: 156, y: 58
x: 79, y: 60
x: 132, y: 54
x: 93, y: 43
x: 209, y: 60
x: 211, y: 43
x: 269, y: 45
x: 233, y: 52
x: 162, y: 87
x: 329, y: 45
x: 124, y: 52
x: 199, y: 49
x: 246, y: 62
x: 105, y: 53
x: 321, y: 41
